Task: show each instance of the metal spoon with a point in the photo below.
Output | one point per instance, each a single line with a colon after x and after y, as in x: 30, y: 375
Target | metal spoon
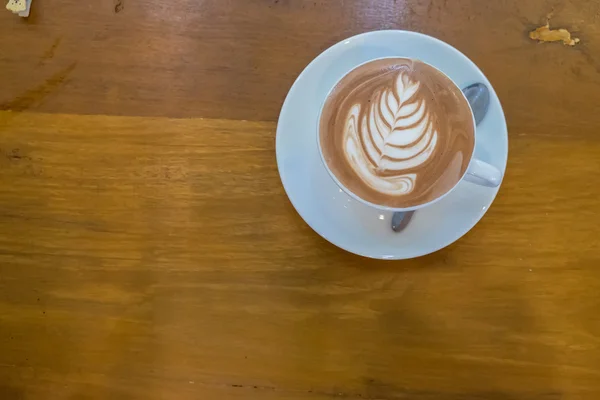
x: 478, y: 96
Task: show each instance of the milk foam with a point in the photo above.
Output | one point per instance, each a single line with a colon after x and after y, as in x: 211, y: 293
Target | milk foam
x: 389, y: 135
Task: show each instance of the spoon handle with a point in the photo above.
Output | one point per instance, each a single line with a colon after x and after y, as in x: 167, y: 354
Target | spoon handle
x: 400, y: 220
x: 478, y: 96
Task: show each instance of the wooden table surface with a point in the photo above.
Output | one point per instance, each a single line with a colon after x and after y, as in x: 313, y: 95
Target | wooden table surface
x: 148, y: 250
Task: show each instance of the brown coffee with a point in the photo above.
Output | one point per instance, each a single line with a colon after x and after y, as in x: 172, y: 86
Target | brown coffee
x: 397, y: 132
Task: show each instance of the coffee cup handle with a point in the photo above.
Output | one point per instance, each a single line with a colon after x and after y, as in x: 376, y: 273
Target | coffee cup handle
x: 482, y: 173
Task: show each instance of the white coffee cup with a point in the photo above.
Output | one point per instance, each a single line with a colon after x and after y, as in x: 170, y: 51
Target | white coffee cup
x: 478, y: 172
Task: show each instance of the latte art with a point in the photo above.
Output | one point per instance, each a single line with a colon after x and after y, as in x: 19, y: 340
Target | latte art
x: 397, y: 132
x: 392, y: 133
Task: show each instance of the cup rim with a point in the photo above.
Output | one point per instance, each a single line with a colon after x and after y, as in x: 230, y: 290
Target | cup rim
x: 380, y: 206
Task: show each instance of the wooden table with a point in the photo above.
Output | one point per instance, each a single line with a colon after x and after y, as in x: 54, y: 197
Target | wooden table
x: 148, y: 250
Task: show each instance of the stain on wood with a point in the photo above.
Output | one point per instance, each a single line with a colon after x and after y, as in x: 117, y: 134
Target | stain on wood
x: 119, y: 6
x: 49, y: 54
x: 35, y: 96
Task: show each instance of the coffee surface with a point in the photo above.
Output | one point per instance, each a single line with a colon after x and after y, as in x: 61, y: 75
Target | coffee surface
x: 397, y: 132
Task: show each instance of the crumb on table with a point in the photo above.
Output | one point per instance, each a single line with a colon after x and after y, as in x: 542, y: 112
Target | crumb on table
x: 545, y: 34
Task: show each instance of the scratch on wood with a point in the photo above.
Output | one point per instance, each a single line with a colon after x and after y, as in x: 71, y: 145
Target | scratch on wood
x: 256, y: 387
x: 590, y: 60
x: 16, y: 155
x: 429, y: 7
x: 49, y: 54
x: 36, y: 95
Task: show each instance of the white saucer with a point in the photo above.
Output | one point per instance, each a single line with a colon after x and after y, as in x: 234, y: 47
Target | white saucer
x: 332, y: 213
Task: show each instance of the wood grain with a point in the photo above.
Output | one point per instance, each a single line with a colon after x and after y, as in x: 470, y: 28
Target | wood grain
x: 133, y: 264
x: 145, y: 255
x: 237, y: 58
